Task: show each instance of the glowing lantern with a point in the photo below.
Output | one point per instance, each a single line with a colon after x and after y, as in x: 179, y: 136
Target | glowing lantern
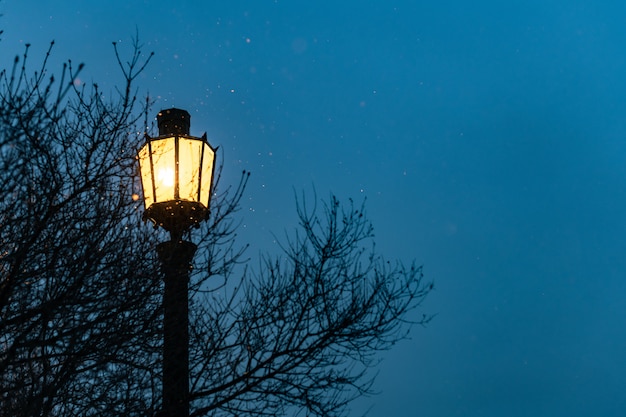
x: 176, y: 174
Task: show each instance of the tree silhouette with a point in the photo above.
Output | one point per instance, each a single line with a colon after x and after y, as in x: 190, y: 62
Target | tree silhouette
x: 80, y: 287
x: 77, y: 282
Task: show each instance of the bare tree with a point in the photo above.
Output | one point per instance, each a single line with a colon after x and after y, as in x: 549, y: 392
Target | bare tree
x: 77, y: 282
x: 80, y: 289
x: 300, y: 333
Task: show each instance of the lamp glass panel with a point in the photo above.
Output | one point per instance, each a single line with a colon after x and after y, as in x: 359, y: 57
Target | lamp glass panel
x: 207, y: 173
x: 189, y: 154
x: 146, y: 175
x: 164, y: 162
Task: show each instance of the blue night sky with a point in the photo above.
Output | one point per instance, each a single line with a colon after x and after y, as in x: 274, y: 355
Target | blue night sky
x: 489, y: 140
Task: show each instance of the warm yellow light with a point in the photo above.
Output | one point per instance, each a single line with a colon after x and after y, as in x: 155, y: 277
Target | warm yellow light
x: 189, y: 155
x: 164, y: 163
x: 195, y: 169
x: 165, y: 176
x: 206, y: 173
x: 146, y: 175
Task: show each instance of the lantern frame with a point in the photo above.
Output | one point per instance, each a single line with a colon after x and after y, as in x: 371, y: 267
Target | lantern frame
x: 164, y: 205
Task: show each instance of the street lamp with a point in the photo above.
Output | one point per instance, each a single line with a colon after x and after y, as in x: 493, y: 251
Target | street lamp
x: 176, y: 177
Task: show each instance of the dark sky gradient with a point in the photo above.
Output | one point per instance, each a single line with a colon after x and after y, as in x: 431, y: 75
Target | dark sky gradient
x: 489, y: 138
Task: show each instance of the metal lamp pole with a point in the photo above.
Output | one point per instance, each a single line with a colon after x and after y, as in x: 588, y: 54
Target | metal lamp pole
x: 176, y: 257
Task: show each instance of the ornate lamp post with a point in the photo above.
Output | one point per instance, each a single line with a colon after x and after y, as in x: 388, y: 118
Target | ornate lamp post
x: 176, y: 177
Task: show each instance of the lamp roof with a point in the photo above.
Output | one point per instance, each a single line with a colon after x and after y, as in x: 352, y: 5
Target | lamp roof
x: 173, y: 122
